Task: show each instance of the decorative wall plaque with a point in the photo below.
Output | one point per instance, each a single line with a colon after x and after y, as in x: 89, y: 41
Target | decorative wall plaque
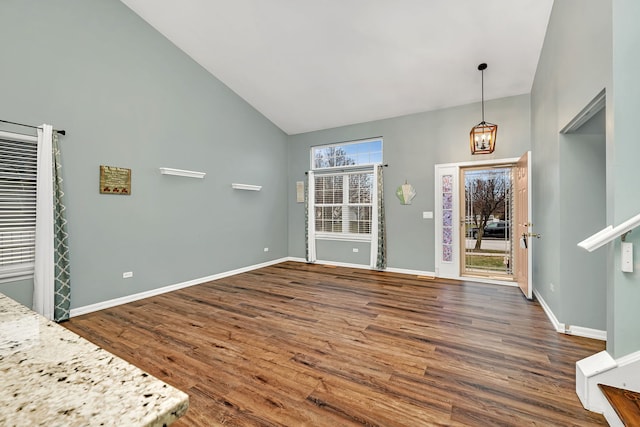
x: 115, y: 180
x: 300, y: 192
x: 406, y: 193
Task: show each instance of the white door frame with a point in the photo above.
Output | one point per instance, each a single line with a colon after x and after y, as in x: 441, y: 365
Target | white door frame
x: 450, y: 269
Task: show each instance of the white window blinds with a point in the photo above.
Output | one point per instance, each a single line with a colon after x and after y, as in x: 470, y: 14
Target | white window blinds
x: 18, y: 178
x: 342, y: 203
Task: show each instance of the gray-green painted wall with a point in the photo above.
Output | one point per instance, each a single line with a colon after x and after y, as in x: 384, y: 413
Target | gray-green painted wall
x: 583, y: 212
x: 21, y: 291
x: 590, y: 45
x: 130, y: 98
x: 624, y: 289
x: 574, y: 67
x: 413, y: 144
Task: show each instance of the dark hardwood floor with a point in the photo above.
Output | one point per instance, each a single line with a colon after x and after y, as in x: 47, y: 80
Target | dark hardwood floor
x: 307, y: 345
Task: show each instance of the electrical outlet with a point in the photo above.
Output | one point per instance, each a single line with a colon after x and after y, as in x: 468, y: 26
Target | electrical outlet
x: 266, y: 249
x: 553, y: 287
x: 356, y: 250
x: 127, y: 274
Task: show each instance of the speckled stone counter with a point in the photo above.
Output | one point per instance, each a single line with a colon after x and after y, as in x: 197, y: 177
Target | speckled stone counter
x: 51, y: 376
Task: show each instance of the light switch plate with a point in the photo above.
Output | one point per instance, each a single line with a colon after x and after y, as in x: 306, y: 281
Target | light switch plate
x: 427, y: 215
x: 627, y: 257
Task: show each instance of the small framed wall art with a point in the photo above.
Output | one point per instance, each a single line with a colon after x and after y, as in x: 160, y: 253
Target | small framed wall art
x: 114, y: 180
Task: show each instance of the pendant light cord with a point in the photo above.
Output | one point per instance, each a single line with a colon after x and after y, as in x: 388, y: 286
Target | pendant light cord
x: 482, y: 71
x: 482, y: 67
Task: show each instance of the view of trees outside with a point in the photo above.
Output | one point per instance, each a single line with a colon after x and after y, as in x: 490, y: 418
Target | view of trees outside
x: 365, y: 152
x: 329, y: 157
x: 328, y: 203
x: 488, y: 199
x: 360, y: 202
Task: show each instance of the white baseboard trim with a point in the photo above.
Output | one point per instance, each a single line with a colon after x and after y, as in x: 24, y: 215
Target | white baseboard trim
x: 341, y: 264
x: 559, y: 327
x: 578, y: 331
x: 628, y: 359
x: 153, y: 292
x: 484, y: 280
x: 367, y: 267
x: 411, y: 272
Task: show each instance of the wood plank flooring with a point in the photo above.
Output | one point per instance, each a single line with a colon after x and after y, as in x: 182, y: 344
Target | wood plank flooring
x: 307, y: 345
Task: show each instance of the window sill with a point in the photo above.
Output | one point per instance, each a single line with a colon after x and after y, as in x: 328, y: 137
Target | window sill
x: 344, y: 237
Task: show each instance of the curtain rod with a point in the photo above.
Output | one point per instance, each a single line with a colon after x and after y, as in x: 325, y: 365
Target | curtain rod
x: 61, y: 132
x: 355, y: 168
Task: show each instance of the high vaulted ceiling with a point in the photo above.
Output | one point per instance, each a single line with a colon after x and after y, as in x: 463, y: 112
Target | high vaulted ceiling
x: 309, y: 65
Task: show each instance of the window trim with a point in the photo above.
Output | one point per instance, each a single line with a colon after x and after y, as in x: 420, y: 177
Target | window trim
x: 348, y: 237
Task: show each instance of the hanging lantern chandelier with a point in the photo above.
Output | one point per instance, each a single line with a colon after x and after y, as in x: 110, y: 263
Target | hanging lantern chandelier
x: 483, y: 135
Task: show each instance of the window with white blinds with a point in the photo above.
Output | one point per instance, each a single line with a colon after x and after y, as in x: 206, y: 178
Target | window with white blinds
x: 344, y: 185
x: 18, y: 177
x: 342, y: 204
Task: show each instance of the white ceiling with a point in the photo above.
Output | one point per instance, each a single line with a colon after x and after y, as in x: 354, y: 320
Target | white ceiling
x: 309, y: 65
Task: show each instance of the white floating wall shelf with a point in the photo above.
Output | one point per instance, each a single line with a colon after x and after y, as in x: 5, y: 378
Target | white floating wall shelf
x: 182, y: 172
x: 249, y: 187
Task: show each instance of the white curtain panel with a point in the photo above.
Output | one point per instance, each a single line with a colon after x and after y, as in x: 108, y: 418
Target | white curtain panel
x: 43, y: 277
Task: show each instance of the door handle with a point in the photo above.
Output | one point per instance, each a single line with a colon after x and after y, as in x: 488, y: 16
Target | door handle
x: 536, y: 235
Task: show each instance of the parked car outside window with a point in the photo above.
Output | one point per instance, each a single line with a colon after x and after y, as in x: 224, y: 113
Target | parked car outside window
x: 499, y: 229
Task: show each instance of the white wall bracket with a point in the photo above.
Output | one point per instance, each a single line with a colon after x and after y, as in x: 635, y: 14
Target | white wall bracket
x: 249, y: 187
x: 182, y: 172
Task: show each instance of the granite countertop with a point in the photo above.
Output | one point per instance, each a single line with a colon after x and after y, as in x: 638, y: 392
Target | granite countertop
x: 51, y: 376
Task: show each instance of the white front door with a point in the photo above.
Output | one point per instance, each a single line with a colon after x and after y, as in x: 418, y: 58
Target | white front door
x: 523, y: 226
x: 449, y: 218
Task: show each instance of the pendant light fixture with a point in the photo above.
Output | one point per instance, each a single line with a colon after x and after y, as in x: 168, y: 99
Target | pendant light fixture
x: 483, y: 135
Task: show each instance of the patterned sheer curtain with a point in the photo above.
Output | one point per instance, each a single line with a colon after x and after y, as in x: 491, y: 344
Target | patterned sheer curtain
x: 51, y: 293
x: 62, y: 287
x: 309, y: 223
x: 380, y: 249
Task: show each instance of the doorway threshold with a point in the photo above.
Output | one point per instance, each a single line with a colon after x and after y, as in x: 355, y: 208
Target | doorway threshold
x: 492, y: 280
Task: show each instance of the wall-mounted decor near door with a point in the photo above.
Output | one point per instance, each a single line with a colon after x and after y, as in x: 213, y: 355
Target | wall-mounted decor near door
x: 115, y: 180
x: 405, y: 193
x: 300, y: 192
